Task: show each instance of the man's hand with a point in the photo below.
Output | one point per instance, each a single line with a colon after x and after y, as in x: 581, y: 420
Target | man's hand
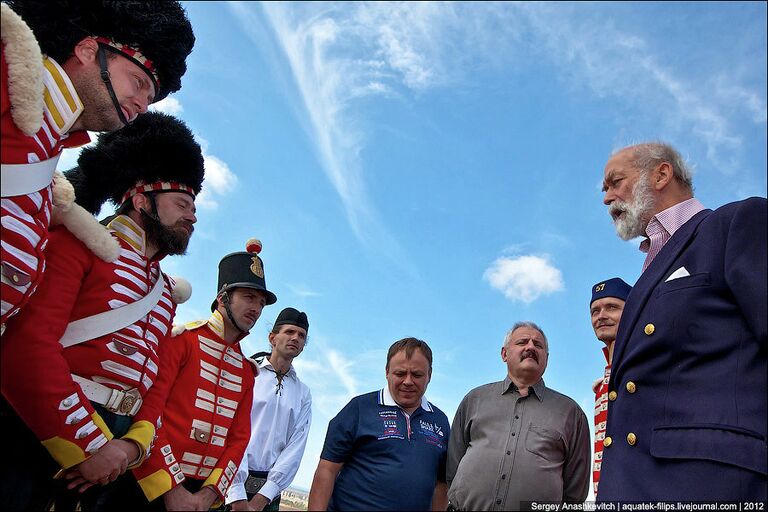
x: 206, y: 496
x: 240, y: 505
x: 258, y: 502
x: 104, y: 466
x: 179, y: 498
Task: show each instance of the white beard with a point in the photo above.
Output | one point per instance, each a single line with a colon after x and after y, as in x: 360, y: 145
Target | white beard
x: 636, y: 214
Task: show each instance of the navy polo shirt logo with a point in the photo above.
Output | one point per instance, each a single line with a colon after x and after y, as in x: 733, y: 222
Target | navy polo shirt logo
x: 433, y: 434
x: 389, y: 423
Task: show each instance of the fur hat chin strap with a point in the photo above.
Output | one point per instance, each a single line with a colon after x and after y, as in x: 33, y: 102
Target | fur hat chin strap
x: 108, y: 83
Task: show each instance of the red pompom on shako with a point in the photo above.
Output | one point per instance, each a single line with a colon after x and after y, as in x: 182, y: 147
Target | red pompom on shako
x: 253, y: 245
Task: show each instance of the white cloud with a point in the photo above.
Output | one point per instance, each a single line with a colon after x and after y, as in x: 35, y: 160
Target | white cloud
x: 524, y: 278
x: 168, y: 105
x: 219, y: 178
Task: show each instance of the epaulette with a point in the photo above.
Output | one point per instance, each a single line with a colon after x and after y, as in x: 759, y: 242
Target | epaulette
x: 189, y: 326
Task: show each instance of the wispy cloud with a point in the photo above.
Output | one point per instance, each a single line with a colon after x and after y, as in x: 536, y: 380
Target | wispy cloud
x: 593, y: 52
x: 339, y: 53
x: 524, y: 278
x: 303, y: 291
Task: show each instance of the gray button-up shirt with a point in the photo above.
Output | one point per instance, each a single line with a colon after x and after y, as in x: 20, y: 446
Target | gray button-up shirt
x: 505, y: 448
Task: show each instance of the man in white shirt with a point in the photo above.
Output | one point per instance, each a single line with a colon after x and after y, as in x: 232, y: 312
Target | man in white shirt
x: 280, y: 419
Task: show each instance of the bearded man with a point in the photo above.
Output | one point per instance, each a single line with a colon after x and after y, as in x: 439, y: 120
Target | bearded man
x: 79, y: 359
x: 689, y: 363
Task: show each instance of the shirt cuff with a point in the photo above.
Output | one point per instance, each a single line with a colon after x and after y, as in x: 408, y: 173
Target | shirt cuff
x: 270, y: 490
x: 236, y: 492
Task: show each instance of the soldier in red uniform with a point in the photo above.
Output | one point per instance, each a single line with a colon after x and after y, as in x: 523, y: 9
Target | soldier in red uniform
x: 69, y: 66
x: 80, y: 357
x: 204, y: 391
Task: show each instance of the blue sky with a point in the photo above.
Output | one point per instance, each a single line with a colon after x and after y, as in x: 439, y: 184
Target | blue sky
x: 434, y: 170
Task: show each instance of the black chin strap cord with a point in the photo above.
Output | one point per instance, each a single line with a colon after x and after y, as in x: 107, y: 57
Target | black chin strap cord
x: 153, y: 203
x: 225, y: 301
x: 108, y: 82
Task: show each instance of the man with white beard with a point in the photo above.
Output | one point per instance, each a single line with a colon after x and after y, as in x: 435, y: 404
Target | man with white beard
x: 689, y: 372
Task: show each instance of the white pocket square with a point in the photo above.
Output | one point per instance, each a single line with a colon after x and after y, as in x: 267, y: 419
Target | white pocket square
x: 677, y: 274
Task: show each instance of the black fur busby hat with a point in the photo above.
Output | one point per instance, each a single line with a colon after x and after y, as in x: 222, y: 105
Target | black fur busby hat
x: 158, y: 29
x: 155, y: 153
x: 243, y: 270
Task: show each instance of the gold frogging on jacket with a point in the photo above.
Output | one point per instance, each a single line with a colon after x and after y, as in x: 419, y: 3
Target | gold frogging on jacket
x: 256, y: 267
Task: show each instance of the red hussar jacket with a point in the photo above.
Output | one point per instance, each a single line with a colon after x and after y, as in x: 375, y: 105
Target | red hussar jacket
x: 36, y: 369
x: 205, y: 392
x: 35, y: 128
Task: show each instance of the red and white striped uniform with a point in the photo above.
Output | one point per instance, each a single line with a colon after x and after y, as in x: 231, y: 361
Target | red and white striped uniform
x: 36, y: 369
x: 204, y: 391
x: 601, y: 417
x: 25, y: 219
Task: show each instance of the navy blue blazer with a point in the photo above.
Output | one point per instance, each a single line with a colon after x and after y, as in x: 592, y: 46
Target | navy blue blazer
x: 688, y: 417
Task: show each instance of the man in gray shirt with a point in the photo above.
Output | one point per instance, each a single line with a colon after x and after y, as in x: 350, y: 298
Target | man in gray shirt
x: 517, y: 440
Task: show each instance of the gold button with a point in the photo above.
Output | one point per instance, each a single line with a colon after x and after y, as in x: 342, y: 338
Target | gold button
x: 649, y: 329
x: 612, y: 396
x: 607, y: 441
x: 631, y: 439
x: 631, y: 388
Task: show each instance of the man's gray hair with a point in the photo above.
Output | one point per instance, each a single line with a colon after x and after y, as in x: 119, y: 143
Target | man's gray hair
x: 529, y: 325
x: 650, y: 154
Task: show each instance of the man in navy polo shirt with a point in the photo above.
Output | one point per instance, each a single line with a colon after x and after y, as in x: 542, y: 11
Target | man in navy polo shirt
x: 388, y: 447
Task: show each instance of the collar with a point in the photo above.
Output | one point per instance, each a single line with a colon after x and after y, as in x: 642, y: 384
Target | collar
x: 606, y: 353
x: 266, y: 364
x: 131, y: 233
x: 216, y: 324
x: 385, y: 398
x: 671, y: 219
x: 538, y: 388
x: 62, y: 104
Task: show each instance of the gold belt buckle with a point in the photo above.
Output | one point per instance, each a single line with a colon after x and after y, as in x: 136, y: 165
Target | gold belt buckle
x: 130, y: 399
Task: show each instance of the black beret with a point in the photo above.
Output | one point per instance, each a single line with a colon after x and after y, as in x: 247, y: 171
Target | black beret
x: 291, y: 316
x: 614, y: 287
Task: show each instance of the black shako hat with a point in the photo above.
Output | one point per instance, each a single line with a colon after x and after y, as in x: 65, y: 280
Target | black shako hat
x: 614, y: 287
x: 291, y: 316
x: 155, y: 153
x: 155, y: 34
x: 243, y: 270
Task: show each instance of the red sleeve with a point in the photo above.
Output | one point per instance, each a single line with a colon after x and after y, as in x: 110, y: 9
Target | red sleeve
x: 160, y: 471
x: 36, y: 378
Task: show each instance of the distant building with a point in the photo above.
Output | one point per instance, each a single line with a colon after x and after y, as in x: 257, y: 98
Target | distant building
x: 294, y: 499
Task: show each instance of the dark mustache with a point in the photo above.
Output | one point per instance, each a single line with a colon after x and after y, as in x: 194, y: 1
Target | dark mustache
x: 529, y: 353
x: 185, y: 224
